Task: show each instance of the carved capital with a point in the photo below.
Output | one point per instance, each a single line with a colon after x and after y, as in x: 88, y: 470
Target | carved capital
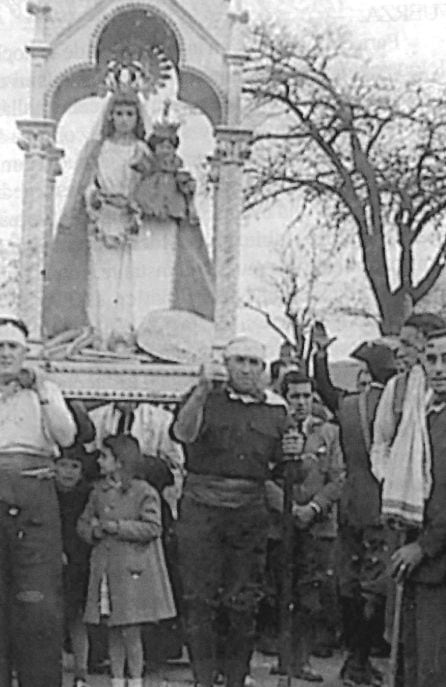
x: 40, y: 9
x: 236, y: 59
x: 233, y: 146
x: 239, y: 19
x: 37, y: 137
x: 36, y: 8
x: 237, y: 13
x: 39, y: 50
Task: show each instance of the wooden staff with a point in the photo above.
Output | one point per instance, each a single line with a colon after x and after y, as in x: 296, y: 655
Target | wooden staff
x: 396, y: 624
x: 287, y: 600
x: 395, y: 639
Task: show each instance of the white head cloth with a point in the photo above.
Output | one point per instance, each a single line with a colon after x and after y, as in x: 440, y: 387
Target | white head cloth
x: 246, y: 347
x: 12, y: 333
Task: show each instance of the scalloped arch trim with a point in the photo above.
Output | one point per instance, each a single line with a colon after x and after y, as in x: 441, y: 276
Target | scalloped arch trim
x: 128, y: 7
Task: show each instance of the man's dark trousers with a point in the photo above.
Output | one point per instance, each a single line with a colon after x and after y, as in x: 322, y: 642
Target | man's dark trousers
x: 222, y: 561
x: 30, y: 582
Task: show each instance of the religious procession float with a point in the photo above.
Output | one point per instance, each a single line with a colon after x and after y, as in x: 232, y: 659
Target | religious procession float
x: 123, y: 296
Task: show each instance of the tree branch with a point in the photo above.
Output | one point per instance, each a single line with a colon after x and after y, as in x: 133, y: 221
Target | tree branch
x: 427, y: 282
x: 270, y: 322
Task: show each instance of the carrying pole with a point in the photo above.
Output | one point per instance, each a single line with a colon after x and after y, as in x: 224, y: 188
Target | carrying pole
x: 395, y: 640
x: 287, y: 600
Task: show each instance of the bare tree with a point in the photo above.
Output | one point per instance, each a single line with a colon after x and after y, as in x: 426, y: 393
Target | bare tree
x: 374, y: 152
x: 300, y: 279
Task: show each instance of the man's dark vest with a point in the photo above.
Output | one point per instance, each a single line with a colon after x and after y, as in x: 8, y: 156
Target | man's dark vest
x: 237, y: 439
x: 433, y: 570
x: 360, y: 501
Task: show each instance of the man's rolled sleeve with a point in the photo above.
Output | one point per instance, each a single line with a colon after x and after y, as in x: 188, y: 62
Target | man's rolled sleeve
x: 58, y: 420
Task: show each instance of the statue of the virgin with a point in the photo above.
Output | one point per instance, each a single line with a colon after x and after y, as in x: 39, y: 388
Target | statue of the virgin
x: 129, y: 240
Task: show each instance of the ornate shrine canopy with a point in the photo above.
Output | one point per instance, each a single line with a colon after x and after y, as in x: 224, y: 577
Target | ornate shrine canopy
x: 201, y: 41
x: 79, y: 39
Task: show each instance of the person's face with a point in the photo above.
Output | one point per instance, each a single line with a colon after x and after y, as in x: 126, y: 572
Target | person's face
x: 300, y: 399
x: 400, y: 364
x: 165, y: 149
x: 364, y: 380
x: 411, y: 348
x: 435, y: 364
x: 124, y: 118
x: 68, y: 472
x: 12, y: 357
x: 107, y: 462
x: 286, y: 353
x: 245, y: 373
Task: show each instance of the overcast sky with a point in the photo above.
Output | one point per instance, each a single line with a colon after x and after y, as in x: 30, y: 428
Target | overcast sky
x: 401, y: 37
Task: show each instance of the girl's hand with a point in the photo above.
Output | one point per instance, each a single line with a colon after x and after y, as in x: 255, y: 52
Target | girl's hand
x: 96, y: 529
x: 110, y: 526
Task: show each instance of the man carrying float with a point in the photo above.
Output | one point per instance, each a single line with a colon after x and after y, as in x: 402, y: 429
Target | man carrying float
x: 34, y: 421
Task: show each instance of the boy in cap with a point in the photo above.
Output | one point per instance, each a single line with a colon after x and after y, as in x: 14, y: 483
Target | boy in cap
x: 232, y: 431
x: 34, y: 421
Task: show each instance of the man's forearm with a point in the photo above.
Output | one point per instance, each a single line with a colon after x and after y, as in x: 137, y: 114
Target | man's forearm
x: 57, y: 417
x: 190, y: 418
x: 329, y: 393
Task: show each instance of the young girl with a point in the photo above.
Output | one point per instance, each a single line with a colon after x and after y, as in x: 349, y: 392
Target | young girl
x: 129, y: 583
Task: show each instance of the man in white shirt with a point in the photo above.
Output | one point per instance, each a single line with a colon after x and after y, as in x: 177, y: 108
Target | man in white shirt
x: 34, y: 421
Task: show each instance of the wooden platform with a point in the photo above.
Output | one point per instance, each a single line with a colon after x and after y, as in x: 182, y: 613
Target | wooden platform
x: 112, y: 381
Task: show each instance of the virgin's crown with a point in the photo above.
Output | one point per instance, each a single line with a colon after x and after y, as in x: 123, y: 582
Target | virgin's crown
x: 128, y: 78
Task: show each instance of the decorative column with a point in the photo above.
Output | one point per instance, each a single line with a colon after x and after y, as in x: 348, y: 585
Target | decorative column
x: 232, y: 149
x: 37, y: 140
x: 235, y: 59
x: 39, y: 51
x: 41, y: 165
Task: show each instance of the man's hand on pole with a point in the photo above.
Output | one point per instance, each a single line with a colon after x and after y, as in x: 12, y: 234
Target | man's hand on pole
x: 189, y: 420
x: 210, y: 374
x: 304, y: 515
x: 405, y: 560
x: 293, y: 443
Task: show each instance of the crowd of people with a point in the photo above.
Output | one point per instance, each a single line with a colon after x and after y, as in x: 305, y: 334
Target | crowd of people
x: 270, y: 510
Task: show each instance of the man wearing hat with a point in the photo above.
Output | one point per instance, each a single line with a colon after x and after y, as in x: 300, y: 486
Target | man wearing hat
x: 361, y: 540
x: 232, y: 430
x: 34, y: 421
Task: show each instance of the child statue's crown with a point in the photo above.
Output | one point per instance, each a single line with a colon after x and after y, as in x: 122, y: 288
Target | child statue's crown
x: 165, y: 128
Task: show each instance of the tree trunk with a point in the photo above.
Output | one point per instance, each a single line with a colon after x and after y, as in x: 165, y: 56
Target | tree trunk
x: 395, y: 309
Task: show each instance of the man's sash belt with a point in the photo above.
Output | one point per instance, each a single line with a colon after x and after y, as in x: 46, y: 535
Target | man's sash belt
x: 17, y: 466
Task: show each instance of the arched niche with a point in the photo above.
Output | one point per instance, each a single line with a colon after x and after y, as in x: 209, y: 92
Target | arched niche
x: 78, y: 83
x: 196, y: 89
x: 130, y: 32
x: 133, y: 34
